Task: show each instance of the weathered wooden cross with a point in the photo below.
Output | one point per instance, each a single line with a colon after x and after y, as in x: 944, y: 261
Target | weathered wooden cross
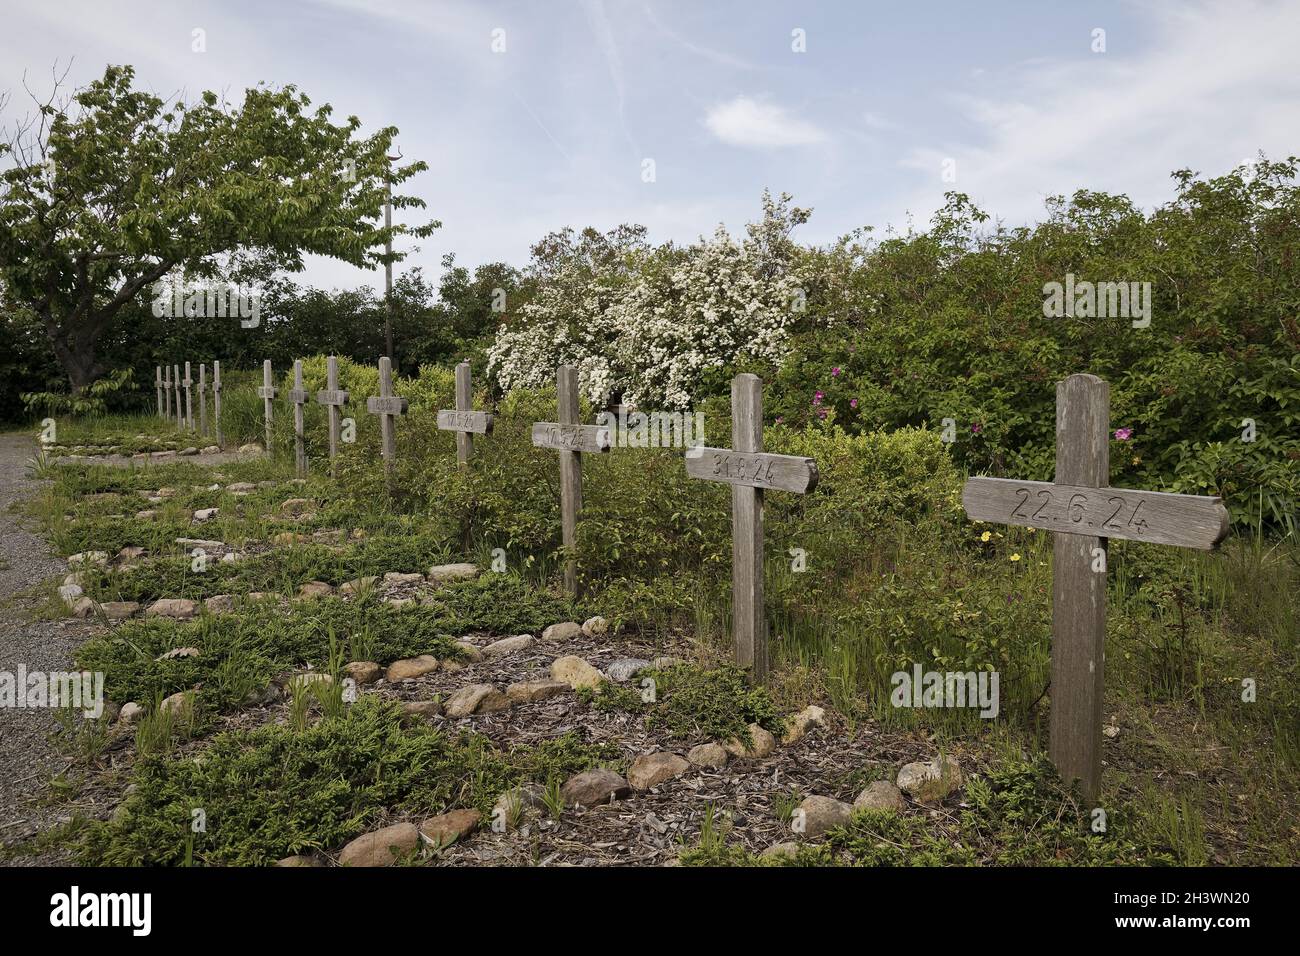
x: 1083, y: 511
x: 203, y: 398
x: 267, y: 391
x: 167, y: 391
x: 387, y: 405
x: 176, y: 385
x: 333, y: 398
x: 570, y: 439
x: 463, y: 420
x: 298, y: 395
x: 750, y: 471
x: 158, y: 387
x: 216, y: 402
x: 189, y: 399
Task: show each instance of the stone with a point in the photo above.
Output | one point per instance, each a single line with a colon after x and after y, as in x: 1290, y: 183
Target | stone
x: 176, y: 652
x: 130, y: 555
x: 518, y: 802
x: 565, y: 631
x: 130, y: 712
x: 83, y: 607
x: 88, y: 557
x: 625, y: 668
x: 592, y: 787
x: 762, y: 744
x: 252, y: 448
x: 205, y: 514
x: 713, y: 756
x: 181, y: 609
x: 307, y: 678
x: 820, y: 814
x: 931, y: 781
x: 177, y: 704
x: 191, y: 450
x: 412, y: 667
x: 399, y: 601
x: 211, y: 449
x: 399, y: 578
x: 595, y: 627
x: 220, y: 603
x: 650, y: 770
x: 70, y: 593
x: 881, y: 795
x: 777, y: 851
x: 241, y: 488
x: 284, y: 539
x: 470, y: 651
x: 575, y: 672
x: 230, y: 557
x: 508, y: 645
x: 207, y: 544
x: 352, y: 587
x: 363, y: 672
x: 299, y: 860
x: 422, y: 708
x: 533, y: 691
x: 315, y: 589
x: 475, y: 699
x: 810, y: 716
x: 382, y: 847
x: 664, y: 663
x: 442, y: 573
x: 147, y: 514
x: 445, y: 829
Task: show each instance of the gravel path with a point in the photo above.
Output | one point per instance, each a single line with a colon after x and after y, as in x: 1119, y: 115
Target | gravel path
x: 27, y: 759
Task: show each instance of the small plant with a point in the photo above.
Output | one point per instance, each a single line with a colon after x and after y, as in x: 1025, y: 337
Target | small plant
x: 553, y: 798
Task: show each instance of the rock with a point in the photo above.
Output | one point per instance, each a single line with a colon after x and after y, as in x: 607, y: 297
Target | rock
x: 788, y: 850
x: 650, y: 770
x: 207, y: 544
x: 382, y: 847
x: 447, y: 828
x: 188, y: 451
x: 308, y: 678
x: 146, y: 515
x: 177, y: 704
x: 352, y: 587
x: 508, y: 645
x: 130, y: 555
x: 713, y: 756
x: 475, y: 699
x: 470, y: 651
x: 399, y: 601
x: 70, y: 593
x: 575, y: 672
x: 220, y: 603
x: 930, y: 782
x: 230, y: 557
x: 157, y: 455
x: 181, y: 609
x: 565, y: 631
x: 592, y: 787
x: 595, y: 627
x: 422, y: 708
x: 130, y: 712
x: 363, y: 672
x: 442, y: 573
x: 83, y: 607
x: 412, y: 667
x: 1111, y: 731
x: 241, y: 488
x: 664, y: 663
x: 176, y: 652
x: 284, y: 539
x: 299, y: 860
x: 398, y: 578
x: 88, y: 557
x: 252, y: 448
x: 315, y: 589
x: 881, y: 795
x: 762, y: 744
x: 810, y: 716
x: 514, y: 804
x: 532, y: 691
x: 820, y: 814
x: 166, y: 492
x: 625, y: 668
x: 205, y: 514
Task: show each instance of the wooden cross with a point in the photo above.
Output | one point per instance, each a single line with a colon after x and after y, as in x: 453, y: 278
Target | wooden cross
x: 203, y: 398
x: 176, y: 385
x: 268, y: 392
x: 158, y: 387
x: 570, y: 439
x: 332, y: 398
x: 386, y: 405
x: 463, y: 420
x: 216, y: 402
x: 1082, y: 511
x: 167, y: 391
x: 189, y: 399
x: 298, y: 395
x: 750, y: 471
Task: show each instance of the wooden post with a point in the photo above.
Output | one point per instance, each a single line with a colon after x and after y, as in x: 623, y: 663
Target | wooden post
x: 216, y: 402
x: 268, y: 391
x: 570, y: 439
x: 158, y: 388
x: 750, y: 471
x: 203, y: 399
x: 387, y: 405
x: 189, y: 399
x: 333, y: 399
x: 463, y: 420
x: 167, y: 390
x: 176, y: 384
x: 298, y: 396
x: 1083, y: 512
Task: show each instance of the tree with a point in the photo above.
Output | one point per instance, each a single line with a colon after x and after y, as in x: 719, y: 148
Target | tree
x: 114, y: 189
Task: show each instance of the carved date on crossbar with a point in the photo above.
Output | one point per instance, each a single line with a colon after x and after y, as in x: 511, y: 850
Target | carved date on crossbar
x: 463, y: 419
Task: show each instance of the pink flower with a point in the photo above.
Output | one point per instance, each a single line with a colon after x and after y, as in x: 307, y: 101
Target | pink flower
x: 1123, y: 434
x: 853, y: 403
x: 817, y: 398
x: 976, y: 428
x: 835, y: 370
x: 821, y: 413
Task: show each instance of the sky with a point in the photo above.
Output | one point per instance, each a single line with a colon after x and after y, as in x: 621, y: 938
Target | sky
x: 533, y: 116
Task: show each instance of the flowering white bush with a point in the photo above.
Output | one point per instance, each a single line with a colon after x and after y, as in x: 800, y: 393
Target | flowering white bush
x: 652, y: 323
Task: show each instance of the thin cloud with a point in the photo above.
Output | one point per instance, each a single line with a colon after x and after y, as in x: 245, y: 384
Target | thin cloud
x: 757, y: 125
